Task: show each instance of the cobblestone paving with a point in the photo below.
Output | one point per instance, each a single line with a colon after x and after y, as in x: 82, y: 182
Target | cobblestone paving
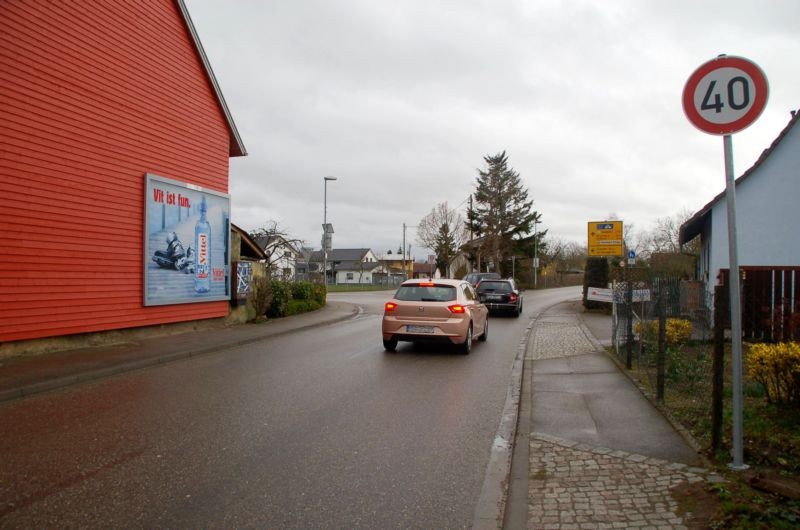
x: 559, y: 337
x: 577, y: 486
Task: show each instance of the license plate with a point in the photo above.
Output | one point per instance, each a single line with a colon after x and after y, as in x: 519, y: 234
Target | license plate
x: 495, y: 298
x: 419, y: 329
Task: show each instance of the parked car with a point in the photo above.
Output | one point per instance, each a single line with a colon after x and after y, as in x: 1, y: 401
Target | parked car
x: 446, y: 311
x: 474, y: 277
x: 500, y: 296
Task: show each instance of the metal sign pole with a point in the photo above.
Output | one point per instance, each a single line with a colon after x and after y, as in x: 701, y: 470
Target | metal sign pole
x: 735, y: 307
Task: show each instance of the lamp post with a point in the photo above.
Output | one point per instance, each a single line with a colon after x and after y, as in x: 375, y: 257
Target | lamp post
x: 535, y: 255
x: 325, y: 232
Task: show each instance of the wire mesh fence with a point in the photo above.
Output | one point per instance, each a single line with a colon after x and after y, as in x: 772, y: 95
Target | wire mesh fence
x: 671, y: 348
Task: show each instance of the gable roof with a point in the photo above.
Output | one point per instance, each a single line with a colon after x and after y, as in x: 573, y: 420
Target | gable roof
x: 357, y: 266
x: 236, y: 145
x: 341, y: 254
x: 264, y: 241
x: 692, y: 227
x: 249, y: 248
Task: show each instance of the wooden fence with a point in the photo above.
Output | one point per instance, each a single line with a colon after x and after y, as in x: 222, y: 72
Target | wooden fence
x: 770, y: 302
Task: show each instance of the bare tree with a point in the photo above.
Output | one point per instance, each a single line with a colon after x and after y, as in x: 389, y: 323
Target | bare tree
x: 566, y: 254
x: 444, y: 231
x: 665, y: 234
x: 275, y: 241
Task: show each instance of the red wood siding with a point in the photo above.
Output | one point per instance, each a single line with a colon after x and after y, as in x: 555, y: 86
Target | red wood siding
x: 93, y: 95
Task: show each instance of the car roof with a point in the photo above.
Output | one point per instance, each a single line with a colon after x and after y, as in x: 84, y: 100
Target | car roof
x: 496, y: 280
x: 440, y: 281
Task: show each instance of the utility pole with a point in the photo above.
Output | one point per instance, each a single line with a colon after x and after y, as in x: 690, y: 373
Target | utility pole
x: 404, y: 253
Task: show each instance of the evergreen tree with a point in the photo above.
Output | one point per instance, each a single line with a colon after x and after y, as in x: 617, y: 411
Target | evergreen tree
x: 502, y: 215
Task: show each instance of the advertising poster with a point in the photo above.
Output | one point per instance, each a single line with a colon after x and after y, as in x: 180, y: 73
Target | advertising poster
x: 186, y: 243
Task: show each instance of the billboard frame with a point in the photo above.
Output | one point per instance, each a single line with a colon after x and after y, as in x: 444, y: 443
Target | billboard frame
x: 157, y: 191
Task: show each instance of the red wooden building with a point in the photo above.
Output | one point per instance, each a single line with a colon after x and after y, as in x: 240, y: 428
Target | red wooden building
x: 93, y: 96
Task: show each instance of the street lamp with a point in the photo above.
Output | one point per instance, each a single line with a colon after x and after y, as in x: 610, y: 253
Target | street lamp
x: 535, y: 255
x: 325, y: 232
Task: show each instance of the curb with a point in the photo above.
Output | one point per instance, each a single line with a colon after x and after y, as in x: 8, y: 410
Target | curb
x: 490, y: 510
x: 93, y: 375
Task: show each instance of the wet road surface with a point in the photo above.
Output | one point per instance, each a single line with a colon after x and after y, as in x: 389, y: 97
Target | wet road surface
x: 318, y: 429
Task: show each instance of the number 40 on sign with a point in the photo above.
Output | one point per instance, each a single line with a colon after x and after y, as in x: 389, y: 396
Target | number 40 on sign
x: 725, y: 95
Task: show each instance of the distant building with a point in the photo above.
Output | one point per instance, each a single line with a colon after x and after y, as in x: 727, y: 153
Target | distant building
x: 351, y: 265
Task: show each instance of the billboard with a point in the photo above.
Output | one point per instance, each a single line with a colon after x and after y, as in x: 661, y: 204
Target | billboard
x: 605, y: 239
x: 186, y: 243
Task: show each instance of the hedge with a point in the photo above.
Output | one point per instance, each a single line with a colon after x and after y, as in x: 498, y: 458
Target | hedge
x: 291, y: 298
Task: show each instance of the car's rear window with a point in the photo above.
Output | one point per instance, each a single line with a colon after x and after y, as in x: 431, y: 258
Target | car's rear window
x: 498, y: 287
x: 426, y: 293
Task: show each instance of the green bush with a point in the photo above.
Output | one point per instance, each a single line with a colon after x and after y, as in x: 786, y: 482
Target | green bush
x: 301, y: 291
x: 281, y: 295
x: 295, y: 307
x: 291, y: 298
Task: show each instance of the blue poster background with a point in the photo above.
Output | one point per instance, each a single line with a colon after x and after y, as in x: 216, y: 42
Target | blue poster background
x: 172, y: 215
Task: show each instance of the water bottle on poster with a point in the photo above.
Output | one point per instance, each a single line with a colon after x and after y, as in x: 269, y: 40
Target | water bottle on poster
x: 202, y: 241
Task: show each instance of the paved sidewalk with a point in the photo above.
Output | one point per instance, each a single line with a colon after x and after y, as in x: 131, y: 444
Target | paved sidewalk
x: 600, y: 454
x: 26, y: 375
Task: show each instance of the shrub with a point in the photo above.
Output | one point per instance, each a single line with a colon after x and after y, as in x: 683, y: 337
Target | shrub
x: 301, y: 290
x: 295, y: 307
x: 261, y: 294
x: 679, y: 331
x: 281, y: 294
x: 596, y: 276
x: 777, y: 368
x: 319, y: 294
x: 291, y: 298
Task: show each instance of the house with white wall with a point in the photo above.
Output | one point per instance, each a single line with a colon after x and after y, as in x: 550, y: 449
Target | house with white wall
x: 351, y: 265
x: 767, y: 217
x: 281, y: 256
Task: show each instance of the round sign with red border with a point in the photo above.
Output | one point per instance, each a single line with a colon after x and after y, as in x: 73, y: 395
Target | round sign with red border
x: 725, y: 95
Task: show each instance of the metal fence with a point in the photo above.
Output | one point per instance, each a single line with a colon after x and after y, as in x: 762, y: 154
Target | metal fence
x: 671, y: 351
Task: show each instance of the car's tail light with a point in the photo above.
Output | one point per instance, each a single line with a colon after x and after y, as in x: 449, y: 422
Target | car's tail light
x: 389, y: 307
x: 512, y: 298
x: 457, y: 308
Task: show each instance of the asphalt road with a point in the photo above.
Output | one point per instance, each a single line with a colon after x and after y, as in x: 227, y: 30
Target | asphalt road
x: 317, y: 429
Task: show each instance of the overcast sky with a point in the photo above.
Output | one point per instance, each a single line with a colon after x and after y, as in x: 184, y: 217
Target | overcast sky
x: 401, y: 101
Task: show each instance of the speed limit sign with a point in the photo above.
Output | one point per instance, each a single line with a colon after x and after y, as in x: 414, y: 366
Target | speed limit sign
x: 725, y: 95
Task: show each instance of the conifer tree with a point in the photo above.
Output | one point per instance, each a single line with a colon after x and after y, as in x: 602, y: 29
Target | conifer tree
x: 502, y: 213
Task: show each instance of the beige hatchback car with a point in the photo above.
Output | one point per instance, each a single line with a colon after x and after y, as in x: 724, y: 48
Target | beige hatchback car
x: 445, y: 311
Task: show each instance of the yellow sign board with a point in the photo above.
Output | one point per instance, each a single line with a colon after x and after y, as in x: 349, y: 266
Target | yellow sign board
x: 605, y: 239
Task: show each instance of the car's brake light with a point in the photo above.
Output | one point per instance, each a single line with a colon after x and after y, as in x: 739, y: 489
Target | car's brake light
x: 512, y: 298
x: 426, y: 284
x: 457, y: 308
x: 390, y: 306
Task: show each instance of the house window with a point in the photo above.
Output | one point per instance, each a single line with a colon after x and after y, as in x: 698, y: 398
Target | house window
x: 349, y: 275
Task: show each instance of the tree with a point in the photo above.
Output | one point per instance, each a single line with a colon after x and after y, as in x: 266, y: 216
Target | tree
x: 565, y: 254
x: 275, y: 242
x: 502, y: 215
x: 443, y: 231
